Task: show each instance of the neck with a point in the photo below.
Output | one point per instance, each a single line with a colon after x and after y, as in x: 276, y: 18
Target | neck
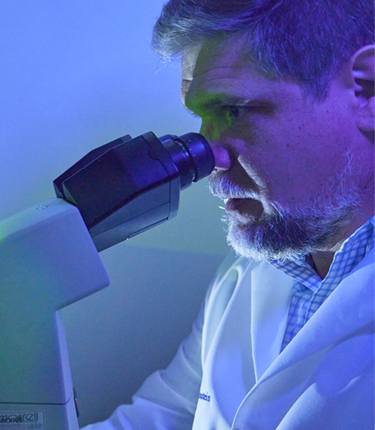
x: 321, y: 260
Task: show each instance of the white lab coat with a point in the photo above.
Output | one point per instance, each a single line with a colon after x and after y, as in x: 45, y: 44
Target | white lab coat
x: 229, y: 373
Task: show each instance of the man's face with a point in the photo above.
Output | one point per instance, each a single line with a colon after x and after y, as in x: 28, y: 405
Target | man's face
x: 283, y: 163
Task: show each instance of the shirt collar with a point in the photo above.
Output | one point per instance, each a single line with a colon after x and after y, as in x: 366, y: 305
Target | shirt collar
x: 351, y: 252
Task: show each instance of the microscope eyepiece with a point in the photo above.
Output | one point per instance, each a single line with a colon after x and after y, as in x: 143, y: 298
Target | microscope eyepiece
x: 192, y: 155
x: 130, y: 185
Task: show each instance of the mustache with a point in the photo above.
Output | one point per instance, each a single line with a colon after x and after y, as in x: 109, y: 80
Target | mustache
x: 224, y: 188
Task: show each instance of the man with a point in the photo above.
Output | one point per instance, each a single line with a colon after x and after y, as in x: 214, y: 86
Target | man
x: 285, y: 337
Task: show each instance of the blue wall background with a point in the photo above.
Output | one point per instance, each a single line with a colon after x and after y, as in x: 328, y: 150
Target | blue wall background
x: 76, y: 74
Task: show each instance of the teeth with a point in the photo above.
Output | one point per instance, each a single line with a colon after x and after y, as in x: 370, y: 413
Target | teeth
x: 225, y: 200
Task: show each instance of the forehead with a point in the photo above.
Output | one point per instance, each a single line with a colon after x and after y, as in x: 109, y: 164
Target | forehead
x: 222, y: 66
x: 213, y: 53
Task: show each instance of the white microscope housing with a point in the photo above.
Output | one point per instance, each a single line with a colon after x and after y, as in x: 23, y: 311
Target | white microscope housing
x: 49, y: 259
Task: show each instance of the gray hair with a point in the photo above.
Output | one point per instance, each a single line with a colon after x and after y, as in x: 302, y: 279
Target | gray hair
x: 308, y: 40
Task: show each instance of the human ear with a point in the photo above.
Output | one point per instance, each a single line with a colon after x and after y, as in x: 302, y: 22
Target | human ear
x: 362, y: 79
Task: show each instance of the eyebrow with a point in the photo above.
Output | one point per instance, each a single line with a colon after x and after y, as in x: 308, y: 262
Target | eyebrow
x: 208, y: 101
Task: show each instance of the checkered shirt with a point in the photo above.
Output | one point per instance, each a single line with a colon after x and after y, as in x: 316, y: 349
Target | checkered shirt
x: 309, y: 291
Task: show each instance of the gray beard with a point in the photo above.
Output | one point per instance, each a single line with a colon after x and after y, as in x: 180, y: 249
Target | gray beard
x: 295, y: 233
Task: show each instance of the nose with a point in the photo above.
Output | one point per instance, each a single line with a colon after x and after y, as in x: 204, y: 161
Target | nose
x: 221, y: 153
x: 222, y: 157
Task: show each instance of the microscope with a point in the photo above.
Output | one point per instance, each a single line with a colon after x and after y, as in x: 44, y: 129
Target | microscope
x: 49, y: 259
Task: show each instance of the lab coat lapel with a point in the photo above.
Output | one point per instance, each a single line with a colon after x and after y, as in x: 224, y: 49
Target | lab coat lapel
x: 271, y: 290
x: 346, y: 310
x: 349, y: 309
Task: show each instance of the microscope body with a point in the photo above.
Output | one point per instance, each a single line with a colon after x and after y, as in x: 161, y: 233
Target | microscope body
x: 48, y: 261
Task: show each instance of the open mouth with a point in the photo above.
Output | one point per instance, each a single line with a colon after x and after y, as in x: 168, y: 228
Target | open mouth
x: 246, y: 207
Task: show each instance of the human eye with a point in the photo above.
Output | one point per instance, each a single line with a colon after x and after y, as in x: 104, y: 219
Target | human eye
x: 234, y: 111
x: 243, y: 110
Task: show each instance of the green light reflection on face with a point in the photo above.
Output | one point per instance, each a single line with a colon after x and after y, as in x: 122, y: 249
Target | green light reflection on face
x: 216, y: 110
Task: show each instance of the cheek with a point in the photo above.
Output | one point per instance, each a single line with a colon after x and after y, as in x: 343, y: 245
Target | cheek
x: 294, y: 162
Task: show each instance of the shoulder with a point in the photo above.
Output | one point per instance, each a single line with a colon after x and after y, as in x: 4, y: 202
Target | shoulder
x: 234, y: 272
x: 238, y: 277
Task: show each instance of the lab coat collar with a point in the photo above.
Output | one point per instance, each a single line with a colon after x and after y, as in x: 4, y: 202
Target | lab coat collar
x: 349, y: 308
x: 271, y: 290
